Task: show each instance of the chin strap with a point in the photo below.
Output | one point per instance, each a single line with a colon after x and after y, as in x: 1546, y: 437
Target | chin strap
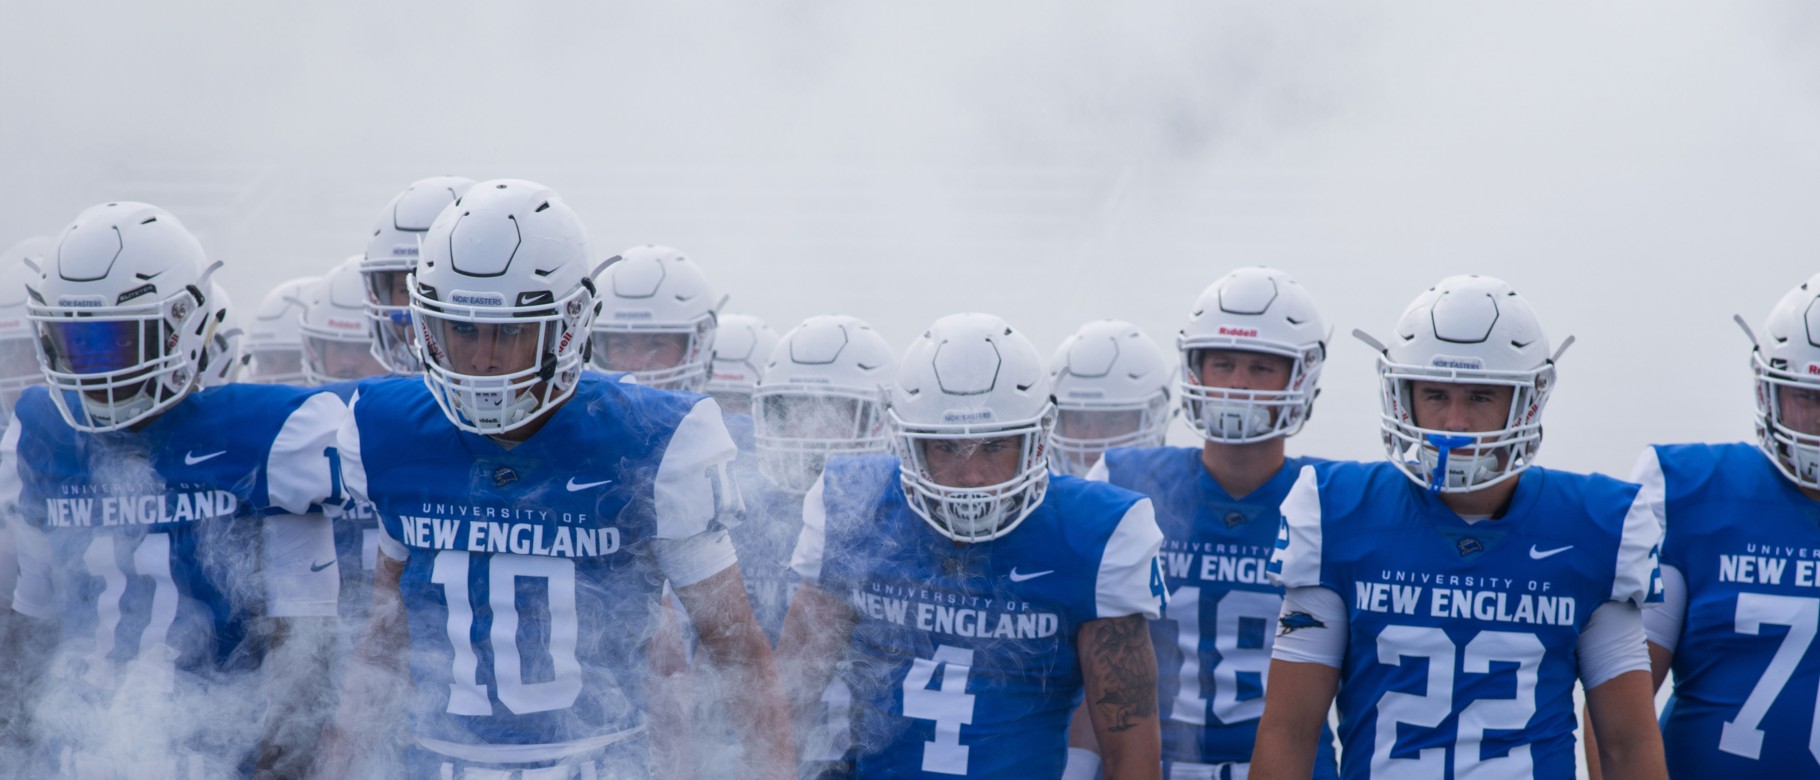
x: 1443, y: 445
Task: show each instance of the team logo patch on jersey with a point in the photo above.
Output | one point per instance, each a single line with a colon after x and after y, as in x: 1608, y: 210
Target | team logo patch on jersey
x: 1469, y: 546
x: 1296, y: 621
x: 1235, y: 519
x: 504, y: 475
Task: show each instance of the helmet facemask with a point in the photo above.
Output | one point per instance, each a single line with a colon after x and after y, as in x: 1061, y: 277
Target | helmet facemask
x: 390, y: 312
x: 1458, y: 462
x: 120, y: 364
x: 1243, y: 416
x: 1085, y: 430
x: 1795, y: 453
x: 797, y: 428
x: 493, y: 367
x: 971, y: 513
x: 689, y: 372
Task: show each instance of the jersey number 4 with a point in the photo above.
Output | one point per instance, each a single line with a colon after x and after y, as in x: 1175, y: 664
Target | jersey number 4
x: 467, y: 696
x: 950, y: 706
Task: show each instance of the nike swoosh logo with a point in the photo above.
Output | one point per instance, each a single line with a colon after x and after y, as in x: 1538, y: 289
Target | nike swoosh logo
x: 1016, y: 577
x: 1540, y: 554
x: 314, y: 567
x: 574, y: 486
x: 190, y: 459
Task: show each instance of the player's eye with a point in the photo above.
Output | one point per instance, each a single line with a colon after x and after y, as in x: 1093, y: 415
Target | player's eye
x: 463, y: 328
x: 511, y: 329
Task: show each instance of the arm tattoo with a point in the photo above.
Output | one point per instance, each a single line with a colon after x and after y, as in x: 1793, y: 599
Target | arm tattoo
x: 1127, y: 670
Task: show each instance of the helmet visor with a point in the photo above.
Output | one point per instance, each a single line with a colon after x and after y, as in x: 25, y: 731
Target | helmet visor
x: 98, y: 346
x: 484, y: 348
x: 337, y: 359
x: 388, y: 288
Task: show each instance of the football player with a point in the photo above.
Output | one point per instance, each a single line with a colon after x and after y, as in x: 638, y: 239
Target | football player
x: 138, y: 494
x: 658, y: 319
x: 225, y: 357
x: 1251, y: 354
x: 741, y: 347
x: 531, y: 514
x: 274, y: 340
x: 337, y: 334
x: 391, y: 254
x: 1455, y: 593
x: 1111, y: 390
x: 1739, y: 612
x: 973, y: 593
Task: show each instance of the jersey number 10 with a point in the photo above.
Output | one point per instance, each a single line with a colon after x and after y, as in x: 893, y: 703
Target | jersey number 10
x: 467, y: 696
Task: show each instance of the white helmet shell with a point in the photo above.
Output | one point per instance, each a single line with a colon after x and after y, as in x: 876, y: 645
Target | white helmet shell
x: 225, y: 356
x: 823, y: 393
x: 742, y: 345
x: 1113, y: 381
x: 501, y: 303
x: 334, y: 312
x: 652, y: 290
x: 1787, y: 355
x: 1254, y: 310
x: 971, y: 380
x: 392, y: 251
x: 274, y: 338
x: 121, y: 315
x: 1471, y: 330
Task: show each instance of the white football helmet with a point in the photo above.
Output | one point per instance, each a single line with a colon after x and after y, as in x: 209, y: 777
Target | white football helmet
x: 274, y: 339
x: 1256, y: 310
x: 968, y: 383
x: 1787, y: 354
x: 225, y: 356
x: 653, y: 292
x: 121, y: 315
x: 742, y: 345
x: 823, y: 393
x: 337, y: 333
x: 1111, y: 390
x: 501, y: 303
x: 19, y: 266
x: 391, y: 253
x: 1470, y: 330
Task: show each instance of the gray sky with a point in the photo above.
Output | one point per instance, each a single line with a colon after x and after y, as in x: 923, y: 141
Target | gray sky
x: 1639, y: 170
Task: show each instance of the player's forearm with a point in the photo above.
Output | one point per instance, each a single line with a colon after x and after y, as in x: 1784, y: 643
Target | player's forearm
x: 1623, y: 713
x: 1283, y: 750
x: 371, y: 686
x: 807, y: 649
x: 757, y: 703
x: 1296, y: 699
x: 1120, y: 670
x: 295, y: 706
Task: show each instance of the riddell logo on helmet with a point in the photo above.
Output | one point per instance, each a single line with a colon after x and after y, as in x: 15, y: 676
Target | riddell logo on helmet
x: 1813, y: 369
x: 346, y: 324
x: 1249, y: 333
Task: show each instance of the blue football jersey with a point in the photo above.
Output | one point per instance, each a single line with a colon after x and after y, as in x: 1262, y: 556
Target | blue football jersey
x: 356, y: 538
x: 532, y: 575
x: 1747, y: 543
x: 1461, y: 650
x: 1213, y: 644
x: 146, y: 542
x: 766, y: 533
x: 963, y: 659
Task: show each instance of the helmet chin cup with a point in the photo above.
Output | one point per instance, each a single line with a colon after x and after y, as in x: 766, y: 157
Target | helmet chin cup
x: 1225, y: 419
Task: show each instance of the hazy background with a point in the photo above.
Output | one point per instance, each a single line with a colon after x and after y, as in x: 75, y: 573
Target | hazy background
x: 1640, y: 171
